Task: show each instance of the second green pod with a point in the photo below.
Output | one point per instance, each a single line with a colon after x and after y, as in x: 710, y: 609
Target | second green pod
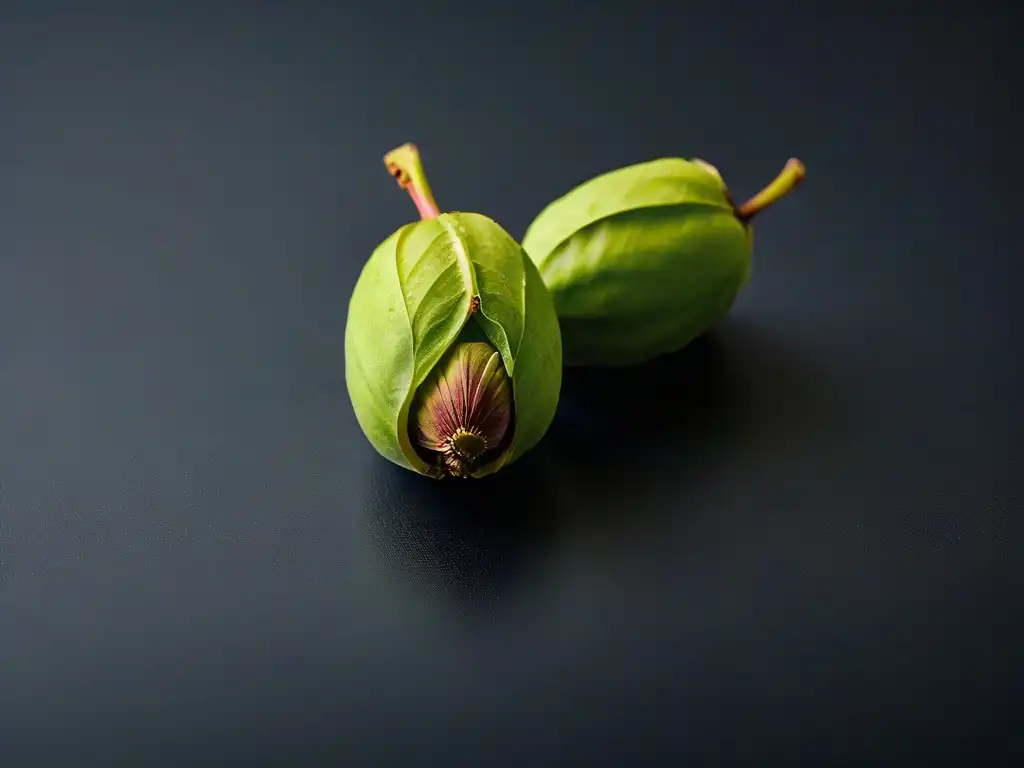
x: 643, y: 259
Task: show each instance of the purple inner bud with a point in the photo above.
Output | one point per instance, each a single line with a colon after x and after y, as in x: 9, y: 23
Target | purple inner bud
x: 465, y: 404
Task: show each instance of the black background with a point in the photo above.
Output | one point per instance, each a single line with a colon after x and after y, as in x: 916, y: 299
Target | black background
x: 798, y: 538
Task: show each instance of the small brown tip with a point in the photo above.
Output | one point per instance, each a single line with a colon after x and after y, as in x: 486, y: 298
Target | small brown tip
x: 796, y: 167
x: 405, y: 166
x: 398, y: 162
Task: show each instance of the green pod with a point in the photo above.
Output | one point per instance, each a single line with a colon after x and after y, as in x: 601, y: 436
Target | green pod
x: 430, y: 289
x: 643, y: 259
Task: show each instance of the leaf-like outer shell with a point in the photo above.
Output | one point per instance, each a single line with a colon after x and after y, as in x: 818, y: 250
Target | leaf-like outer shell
x: 410, y: 304
x: 640, y: 260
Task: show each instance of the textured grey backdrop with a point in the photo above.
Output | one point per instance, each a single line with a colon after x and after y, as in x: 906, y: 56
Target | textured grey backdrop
x: 799, y: 538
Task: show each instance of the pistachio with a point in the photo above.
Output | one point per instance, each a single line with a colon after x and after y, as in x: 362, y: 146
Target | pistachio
x: 644, y: 259
x: 453, y: 352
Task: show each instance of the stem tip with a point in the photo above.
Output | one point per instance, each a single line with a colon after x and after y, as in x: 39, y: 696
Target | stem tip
x: 789, y: 178
x: 404, y: 164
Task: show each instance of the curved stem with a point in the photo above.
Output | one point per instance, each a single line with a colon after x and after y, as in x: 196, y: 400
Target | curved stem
x: 787, y: 180
x: 404, y: 164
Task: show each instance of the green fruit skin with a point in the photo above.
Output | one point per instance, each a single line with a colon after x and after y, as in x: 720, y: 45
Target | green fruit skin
x: 641, y: 260
x: 414, y: 299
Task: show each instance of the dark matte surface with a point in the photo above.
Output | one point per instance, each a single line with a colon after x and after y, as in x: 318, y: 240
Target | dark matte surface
x: 798, y: 539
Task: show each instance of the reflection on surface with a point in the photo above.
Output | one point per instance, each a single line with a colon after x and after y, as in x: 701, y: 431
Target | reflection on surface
x: 634, y: 457
x: 466, y: 543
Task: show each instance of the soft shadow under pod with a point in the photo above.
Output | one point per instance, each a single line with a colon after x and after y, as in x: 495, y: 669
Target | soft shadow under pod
x: 733, y: 393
